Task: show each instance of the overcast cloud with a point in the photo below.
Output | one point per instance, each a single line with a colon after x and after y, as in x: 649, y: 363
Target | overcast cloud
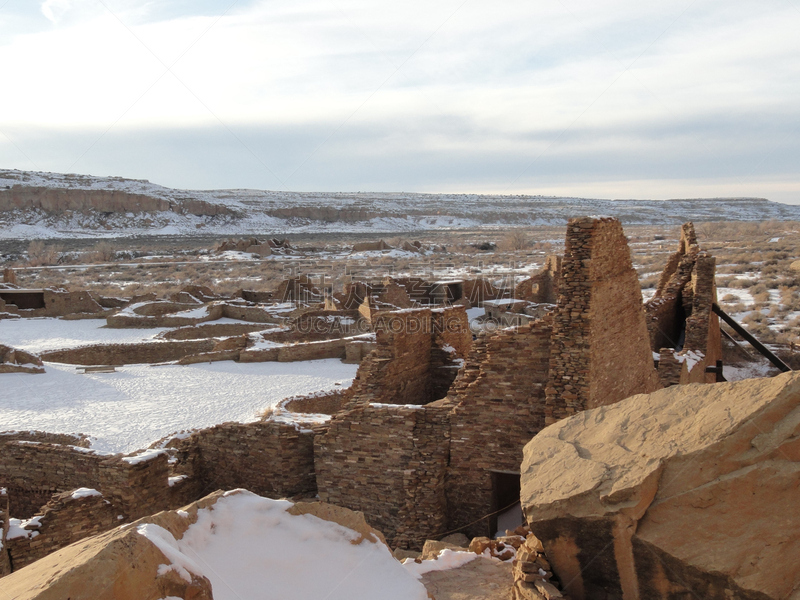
x: 603, y: 99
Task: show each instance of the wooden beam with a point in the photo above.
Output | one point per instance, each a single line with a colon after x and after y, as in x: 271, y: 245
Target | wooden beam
x: 749, y: 337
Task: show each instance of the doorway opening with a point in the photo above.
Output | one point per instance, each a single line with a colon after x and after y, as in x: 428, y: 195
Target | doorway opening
x: 505, y: 498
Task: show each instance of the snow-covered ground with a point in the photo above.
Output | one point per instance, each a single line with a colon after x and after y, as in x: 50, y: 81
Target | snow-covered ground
x: 39, y: 335
x: 250, y: 547
x: 139, y: 404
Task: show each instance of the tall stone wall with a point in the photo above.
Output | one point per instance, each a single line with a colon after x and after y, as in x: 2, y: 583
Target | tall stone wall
x: 388, y: 462
x: 600, y: 350
x: 680, y: 319
x: 499, y: 406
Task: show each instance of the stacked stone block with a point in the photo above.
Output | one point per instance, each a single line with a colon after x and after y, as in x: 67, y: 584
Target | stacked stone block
x: 62, y: 521
x: 32, y: 472
x: 498, y: 401
x: 269, y: 458
x: 388, y: 462
x: 600, y: 350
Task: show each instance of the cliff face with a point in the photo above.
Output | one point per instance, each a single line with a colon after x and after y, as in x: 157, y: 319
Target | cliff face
x: 60, y: 200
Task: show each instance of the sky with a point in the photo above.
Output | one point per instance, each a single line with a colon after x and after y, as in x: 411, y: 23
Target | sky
x: 602, y: 98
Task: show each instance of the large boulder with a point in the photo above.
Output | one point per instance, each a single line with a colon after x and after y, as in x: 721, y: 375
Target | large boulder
x: 689, y: 492
x: 227, y: 546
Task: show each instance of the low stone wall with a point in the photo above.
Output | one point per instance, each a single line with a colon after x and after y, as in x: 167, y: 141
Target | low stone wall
x: 64, y: 520
x: 127, y: 354
x: 251, y: 314
x: 312, y: 351
x: 125, y: 320
x: 268, y: 458
x: 324, y: 404
x: 39, y: 479
x: 209, y: 330
x: 13, y: 360
x: 63, y: 439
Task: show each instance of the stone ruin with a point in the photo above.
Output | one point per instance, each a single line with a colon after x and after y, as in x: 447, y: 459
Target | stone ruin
x: 684, y: 330
x: 429, y: 438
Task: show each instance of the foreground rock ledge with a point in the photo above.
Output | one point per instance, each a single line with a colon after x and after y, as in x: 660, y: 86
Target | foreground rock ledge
x: 689, y: 492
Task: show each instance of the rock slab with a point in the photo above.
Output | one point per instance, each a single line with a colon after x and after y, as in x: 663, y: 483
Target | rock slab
x: 689, y: 492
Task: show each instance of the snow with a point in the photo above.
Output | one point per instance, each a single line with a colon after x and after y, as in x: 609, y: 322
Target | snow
x: 171, y: 481
x: 140, y: 404
x: 692, y: 357
x: 39, y: 335
x: 143, y: 456
x: 447, y: 559
x: 298, y: 420
x: 84, y: 493
x: 16, y: 528
x: 250, y: 547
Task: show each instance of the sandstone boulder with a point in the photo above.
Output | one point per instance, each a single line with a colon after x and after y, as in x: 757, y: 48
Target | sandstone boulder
x: 688, y: 492
x: 432, y: 548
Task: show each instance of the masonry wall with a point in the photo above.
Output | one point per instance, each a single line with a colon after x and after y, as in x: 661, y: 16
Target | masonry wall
x: 397, y: 371
x: 600, y: 350
x: 499, y: 406
x: 5, y: 559
x: 33, y: 472
x: 268, y: 458
x: 64, y: 520
x: 136, y: 489
x: 388, y: 462
x: 679, y: 315
x: 126, y: 354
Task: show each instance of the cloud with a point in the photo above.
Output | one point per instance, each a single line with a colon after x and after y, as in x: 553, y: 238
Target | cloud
x: 429, y: 95
x: 55, y: 9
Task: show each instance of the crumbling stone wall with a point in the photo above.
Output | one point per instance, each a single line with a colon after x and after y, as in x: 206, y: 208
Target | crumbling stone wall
x: 64, y: 519
x: 499, y: 406
x: 679, y: 315
x: 56, y: 303
x: 269, y: 458
x: 600, y: 350
x: 475, y: 291
x: 542, y: 287
x: 390, y: 463
x: 397, y: 371
x: 209, y: 330
x: 13, y: 360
